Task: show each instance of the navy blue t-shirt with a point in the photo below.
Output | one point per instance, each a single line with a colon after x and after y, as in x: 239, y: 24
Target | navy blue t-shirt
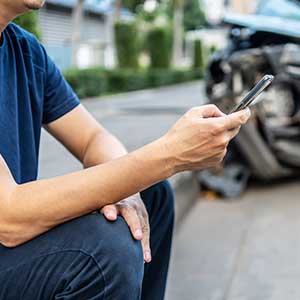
x: 32, y: 93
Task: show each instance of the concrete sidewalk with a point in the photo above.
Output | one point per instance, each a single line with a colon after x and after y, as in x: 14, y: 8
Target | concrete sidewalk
x: 246, y: 249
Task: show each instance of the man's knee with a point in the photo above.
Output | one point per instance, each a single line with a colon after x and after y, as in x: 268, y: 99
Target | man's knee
x: 118, y: 255
x: 90, y: 255
x: 111, y: 246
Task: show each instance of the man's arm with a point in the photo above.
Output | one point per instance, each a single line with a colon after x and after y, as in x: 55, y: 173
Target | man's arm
x: 198, y: 140
x: 83, y: 136
x: 42, y: 210
x: 30, y: 209
x: 93, y: 145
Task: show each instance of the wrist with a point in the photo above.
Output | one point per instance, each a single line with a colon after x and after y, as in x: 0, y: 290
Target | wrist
x: 166, y: 156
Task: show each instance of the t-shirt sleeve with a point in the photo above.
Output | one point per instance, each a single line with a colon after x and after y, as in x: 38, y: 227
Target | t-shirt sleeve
x: 59, y: 98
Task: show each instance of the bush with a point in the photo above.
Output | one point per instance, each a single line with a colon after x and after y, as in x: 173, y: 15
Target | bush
x: 95, y: 82
x: 180, y: 76
x: 199, y: 55
x: 29, y: 22
x: 161, y: 77
x: 159, y: 43
x: 87, y: 82
x: 213, y: 49
x: 197, y: 74
x: 122, y: 80
x: 127, y: 44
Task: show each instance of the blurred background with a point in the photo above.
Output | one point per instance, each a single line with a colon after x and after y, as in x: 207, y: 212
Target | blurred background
x: 138, y: 65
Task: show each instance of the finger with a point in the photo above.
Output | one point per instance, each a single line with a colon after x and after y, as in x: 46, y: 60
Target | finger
x: 238, y: 118
x: 110, y: 212
x: 207, y: 111
x: 233, y: 120
x: 233, y: 133
x: 146, y: 238
x: 133, y: 221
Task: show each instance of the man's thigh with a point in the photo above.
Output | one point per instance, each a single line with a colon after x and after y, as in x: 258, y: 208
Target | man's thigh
x: 86, y: 258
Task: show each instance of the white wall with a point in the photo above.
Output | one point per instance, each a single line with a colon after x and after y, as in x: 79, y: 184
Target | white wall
x: 214, y: 10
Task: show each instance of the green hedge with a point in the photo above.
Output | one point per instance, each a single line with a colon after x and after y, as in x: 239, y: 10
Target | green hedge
x: 159, y: 42
x: 122, y: 80
x: 95, y: 82
x: 87, y: 82
x: 127, y: 44
x: 199, y: 60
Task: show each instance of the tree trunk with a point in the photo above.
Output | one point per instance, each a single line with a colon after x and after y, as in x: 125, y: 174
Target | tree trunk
x: 117, y: 10
x: 177, y: 32
x: 111, y: 21
x: 77, y: 18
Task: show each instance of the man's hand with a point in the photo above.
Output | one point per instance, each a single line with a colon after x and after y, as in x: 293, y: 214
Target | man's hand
x: 200, y: 138
x: 134, y: 212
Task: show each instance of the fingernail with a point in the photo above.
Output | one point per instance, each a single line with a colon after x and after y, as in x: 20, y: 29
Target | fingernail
x: 138, y: 233
x: 110, y: 214
x: 147, y: 256
x: 246, y: 115
x: 248, y: 112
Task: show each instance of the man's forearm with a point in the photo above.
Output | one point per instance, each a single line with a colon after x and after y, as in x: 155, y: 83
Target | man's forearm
x: 66, y: 197
x: 102, y: 148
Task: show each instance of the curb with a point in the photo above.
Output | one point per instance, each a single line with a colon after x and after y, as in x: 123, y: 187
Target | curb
x: 186, y: 190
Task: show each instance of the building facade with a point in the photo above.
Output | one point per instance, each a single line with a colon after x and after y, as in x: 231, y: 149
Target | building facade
x: 241, y: 6
x: 56, y: 25
x: 216, y: 9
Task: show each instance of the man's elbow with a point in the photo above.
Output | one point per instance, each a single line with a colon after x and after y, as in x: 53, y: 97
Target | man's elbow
x: 13, y: 234
x: 9, y: 243
x: 12, y: 231
x: 10, y: 235
x: 15, y: 231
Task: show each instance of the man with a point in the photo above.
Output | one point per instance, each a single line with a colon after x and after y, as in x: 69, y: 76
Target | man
x: 54, y: 243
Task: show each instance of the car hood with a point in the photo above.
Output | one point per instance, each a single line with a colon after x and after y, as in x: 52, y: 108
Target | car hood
x: 283, y: 26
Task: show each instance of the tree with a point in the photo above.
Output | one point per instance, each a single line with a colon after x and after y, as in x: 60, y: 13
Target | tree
x: 159, y: 44
x: 77, y: 25
x: 199, y: 60
x: 117, y: 5
x: 127, y: 44
x: 132, y: 5
x: 194, y: 16
x: 177, y: 31
x: 29, y: 22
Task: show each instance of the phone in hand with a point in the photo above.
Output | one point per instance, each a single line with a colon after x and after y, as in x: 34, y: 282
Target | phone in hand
x: 254, y: 93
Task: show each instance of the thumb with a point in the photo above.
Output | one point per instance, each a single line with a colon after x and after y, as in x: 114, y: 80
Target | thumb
x: 110, y: 212
x: 236, y: 119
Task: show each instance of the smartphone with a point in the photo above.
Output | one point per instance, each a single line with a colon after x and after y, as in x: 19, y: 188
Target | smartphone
x: 254, y: 93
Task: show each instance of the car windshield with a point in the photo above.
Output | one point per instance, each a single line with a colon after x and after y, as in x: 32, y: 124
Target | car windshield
x: 289, y: 9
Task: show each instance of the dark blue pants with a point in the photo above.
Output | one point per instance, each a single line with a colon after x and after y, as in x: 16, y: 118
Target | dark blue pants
x: 91, y: 258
